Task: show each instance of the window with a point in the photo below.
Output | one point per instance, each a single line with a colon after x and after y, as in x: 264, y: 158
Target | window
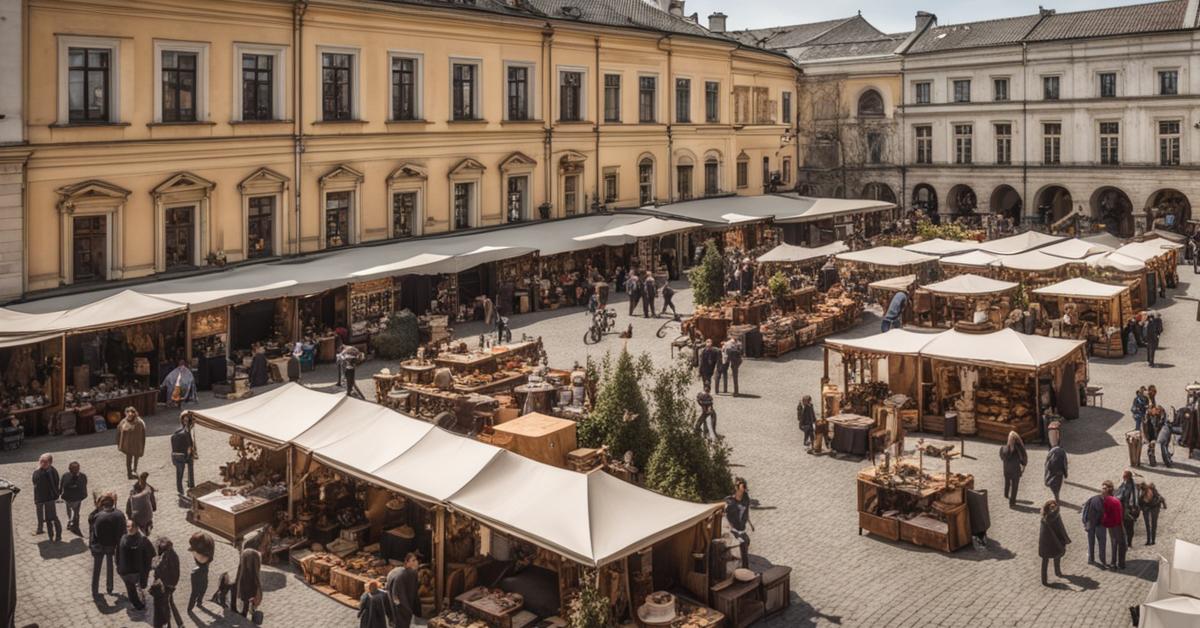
x: 647, y: 86
x: 1168, y: 142
x: 178, y: 86
x: 404, y: 213
x: 1000, y: 89
x: 962, y: 90
x: 875, y: 145
x: 258, y: 87
x: 787, y: 107
x: 518, y: 197
x: 786, y: 167
x: 1168, y: 82
x: 1108, y: 84
x: 1110, y: 143
x: 743, y: 173
x: 921, y: 92
x: 1003, y: 143
x: 1051, y: 143
x: 924, y: 137
x: 518, y: 92
x: 870, y: 104
x: 463, y: 193
x: 963, y: 137
x: 179, y: 233
x: 337, y: 218
x: 712, y: 176
x: 611, y: 191
x: 571, y: 194
x: 337, y: 88
x: 570, y: 100
x: 464, y: 77
x: 712, y: 101
x: 612, y: 97
x: 260, y: 227
x: 1050, y: 87
x: 89, y: 248
x: 88, y: 84
x: 404, y: 88
x: 683, y: 179
x: 683, y: 100
x: 645, y: 182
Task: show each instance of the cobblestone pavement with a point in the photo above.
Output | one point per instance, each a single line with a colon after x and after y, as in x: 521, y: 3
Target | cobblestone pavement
x: 805, y: 515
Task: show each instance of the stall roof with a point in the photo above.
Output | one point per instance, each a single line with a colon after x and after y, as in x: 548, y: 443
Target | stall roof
x: 8, y: 342
x: 457, y: 462
x: 274, y: 417
x: 793, y: 253
x: 1032, y: 261
x: 1080, y: 287
x: 1115, y: 261
x: 629, y: 233
x: 123, y: 308
x: 970, y: 284
x: 939, y: 246
x: 895, y: 342
x: 782, y: 208
x: 978, y: 259
x: 1145, y: 251
x: 903, y: 282
x: 1075, y: 248
x: 1024, y: 241
x: 1177, y: 238
x: 886, y: 256
x: 1004, y: 348
x: 1105, y: 238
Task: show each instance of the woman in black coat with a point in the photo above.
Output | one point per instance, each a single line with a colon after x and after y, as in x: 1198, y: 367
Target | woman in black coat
x: 1014, y: 457
x: 166, y: 571
x: 1053, y: 540
x: 247, y: 585
x: 1151, y: 502
x: 202, y: 548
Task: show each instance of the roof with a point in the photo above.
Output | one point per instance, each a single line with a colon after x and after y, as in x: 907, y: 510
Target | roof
x: 894, y: 284
x: 1009, y: 30
x: 1033, y: 261
x: 778, y: 37
x: 901, y: 341
x: 979, y: 259
x: 851, y: 50
x: 1004, y: 348
x: 970, y: 284
x: 782, y: 208
x: 1080, y: 287
x: 1075, y: 248
x: 793, y: 253
x: 1019, y: 243
x: 629, y: 233
x: 939, y: 246
x: 886, y: 256
x: 123, y: 308
x: 1124, y: 20
x: 1115, y: 261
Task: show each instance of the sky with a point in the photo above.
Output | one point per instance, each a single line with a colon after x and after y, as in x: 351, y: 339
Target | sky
x: 889, y: 16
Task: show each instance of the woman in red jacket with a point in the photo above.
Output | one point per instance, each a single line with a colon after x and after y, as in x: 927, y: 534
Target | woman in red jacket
x: 1112, y: 520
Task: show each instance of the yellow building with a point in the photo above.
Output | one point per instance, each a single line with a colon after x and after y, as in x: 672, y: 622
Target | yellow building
x: 163, y: 136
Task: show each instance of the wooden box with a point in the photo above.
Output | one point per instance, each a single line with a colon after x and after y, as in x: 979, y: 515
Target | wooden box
x: 885, y: 527
x: 347, y: 583
x: 538, y: 436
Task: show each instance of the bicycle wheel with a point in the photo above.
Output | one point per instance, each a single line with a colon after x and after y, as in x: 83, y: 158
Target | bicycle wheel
x: 596, y: 333
x: 662, y: 330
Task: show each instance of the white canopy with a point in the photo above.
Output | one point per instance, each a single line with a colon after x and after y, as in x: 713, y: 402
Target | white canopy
x: 123, y: 308
x: 1024, y: 241
x: 274, y: 417
x: 1185, y: 569
x: 793, y: 253
x: 903, y: 282
x: 939, y: 246
x: 1145, y: 251
x: 1005, y: 348
x: 629, y: 233
x: 1032, y: 261
x: 901, y: 341
x: 977, y: 259
x: 1177, y: 238
x: 8, y: 342
x: 970, y: 284
x: 1115, y: 261
x: 1172, y: 612
x: 1080, y: 287
x: 782, y: 208
x: 1075, y: 248
x: 886, y: 256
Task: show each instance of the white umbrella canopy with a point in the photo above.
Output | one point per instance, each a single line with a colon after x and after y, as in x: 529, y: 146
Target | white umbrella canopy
x: 939, y: 246
x: 970, y: 284
x: 1081, y: 287
x: 793, y: 253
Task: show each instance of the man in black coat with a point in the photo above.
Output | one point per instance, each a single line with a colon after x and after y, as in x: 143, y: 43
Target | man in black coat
x: 1153, y: 330
x: 633, y: 288
x: 166, y: 571
x: 737, y: 515
x: 807, y: 417
x: 710, y: 357
x: 183, y: 453
x: 649, y: 293
x: 46, y: 489
x: 106, y: 524
x: 135, y: 557
x: 74, y: 491
x: 402, y: 587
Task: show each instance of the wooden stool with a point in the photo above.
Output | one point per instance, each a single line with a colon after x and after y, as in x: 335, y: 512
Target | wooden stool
x: 1094, y: 395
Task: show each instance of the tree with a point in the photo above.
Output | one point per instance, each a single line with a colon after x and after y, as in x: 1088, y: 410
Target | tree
x: 708, y: 279
x: 684, y: 464
x: 399, y: 338
x: 589, y: 608
x: 620, y: 418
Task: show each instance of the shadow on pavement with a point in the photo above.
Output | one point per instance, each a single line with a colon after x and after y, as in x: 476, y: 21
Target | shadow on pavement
x: 50, y: 550
x: 1082, y: 582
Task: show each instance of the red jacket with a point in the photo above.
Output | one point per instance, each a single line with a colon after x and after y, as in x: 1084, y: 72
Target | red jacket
x: 1113, y: 512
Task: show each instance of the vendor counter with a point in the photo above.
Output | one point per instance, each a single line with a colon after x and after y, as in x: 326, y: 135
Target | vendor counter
x: 231, y: 516
x: 930, y: 513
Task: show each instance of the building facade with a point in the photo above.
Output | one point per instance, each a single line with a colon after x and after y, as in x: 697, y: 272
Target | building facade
x: 165, y: 137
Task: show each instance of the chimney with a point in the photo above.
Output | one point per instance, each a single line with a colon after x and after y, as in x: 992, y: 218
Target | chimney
x: 716, y: 22
x: 1189, y: 14
x: 925, y: 20
x: 1044, y: 12
x: 675, y: 8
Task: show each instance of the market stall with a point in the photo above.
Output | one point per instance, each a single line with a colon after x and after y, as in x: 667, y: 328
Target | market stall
x: 973, y: 262
x: 798, y: 263
x: 1035, y: 268
x: 1087, y: 310
x: 900, y: 501
x: 271, y: 323
x: 940, y: 247
x: 208, y: 345
x: 860, y: 268
x: 31, y: 388
x: 1161, y: 258
x: 1116, y: 268
x: 978, y: 302
x: 371, y: 302
x: 882, y: 292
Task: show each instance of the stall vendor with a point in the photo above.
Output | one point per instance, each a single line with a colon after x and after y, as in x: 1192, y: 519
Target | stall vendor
x: 893, y: 318
x: 179, y: 385
x: 737, y: 514
x: 402, y: 587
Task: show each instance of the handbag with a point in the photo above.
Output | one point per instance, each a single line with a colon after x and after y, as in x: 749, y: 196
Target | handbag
x: 256, y: 617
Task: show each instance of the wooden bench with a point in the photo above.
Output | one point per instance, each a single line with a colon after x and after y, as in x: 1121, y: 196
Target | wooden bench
x: 1094, y: 395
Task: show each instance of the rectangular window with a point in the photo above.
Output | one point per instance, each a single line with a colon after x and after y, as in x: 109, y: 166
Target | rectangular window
x: 647, y: 85
x: 924, y: 137
x: 683, y: 178
x: 787, y: 107
x: 1168, y: 142
x: 612, y: 97
x: 336, y: 87
x: 404, y: 88
x: 258, y: 87
x: 462, y: 204
x: 922, y: 92
x: 404, y: 213
x: 89, y: 240
x: 518, y: 197
x: 1110, y: 143
x: 645, y: 182
x: 518, y: 92
x: 463, y: 87
x: 1000, y: 89
x: 962, y: 90
x: 178, y: 86
x: 337, y: 218
x: 786, y: 167
x: 1168, y: 82
x: 260, y: 227
x: 875, y: 146
x: 610, y: 187
x: 571, y: 194
x: 1003, y: 143
x: 963, y: 139
x: 683, y: 100
x: 88, y: 84
x: 712, y: 181
x: 179, y: 233
x: 1050, y: 87
x: 743, y: 173
x: 712, y: 101
x: 1051, y: 143
x: 1108, y: 85
x: 570, y: 100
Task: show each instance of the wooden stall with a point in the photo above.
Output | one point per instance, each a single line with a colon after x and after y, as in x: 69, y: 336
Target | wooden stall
x: 31, y: 387
x: 1087, y: 310
x: 861, y: 268
x: 371, y: 302
x: 899, y: 501
x: 967, y: 300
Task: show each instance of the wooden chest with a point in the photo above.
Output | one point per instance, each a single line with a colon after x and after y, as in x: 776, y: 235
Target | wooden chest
x: 347, y: 583
x: 538, y: 436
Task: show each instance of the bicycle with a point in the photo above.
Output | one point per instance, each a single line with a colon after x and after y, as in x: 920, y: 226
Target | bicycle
x: 603, y: 322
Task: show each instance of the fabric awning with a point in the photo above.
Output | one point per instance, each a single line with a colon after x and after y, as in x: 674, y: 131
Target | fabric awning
x: 792, y: 253
x: 939, y: 246
x: 781, y: 208
x: 272, y: 418
x: 1003, y: 348
x: 1143, y: 251
x: 629, y: 233
x: 978, y: 259
x: 894, y: 284
x: 1032, y: 261
x: 1115, y: 261
x: 1172, y: 612
x: 8, y: 342
x: 893, y: 342
x: 1083, y: 288
x: 1024, y: 241
x: 123, y: 308
x: 970, y: 284
x: 886, y: 256
x: 1075, y: 248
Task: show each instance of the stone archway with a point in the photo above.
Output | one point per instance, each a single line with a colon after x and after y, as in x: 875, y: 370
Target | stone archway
x: 925, y: 198
x: 1112, y: 208
x: 878, y: 192
x: 1006, y: 201
x: 962, y: 200
x: 1053, y: 203
x: 1168, y: 209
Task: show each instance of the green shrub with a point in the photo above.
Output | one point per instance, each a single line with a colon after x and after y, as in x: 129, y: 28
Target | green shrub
x: 708, y: 279
x: 620, y: 418
x: 400, y: 337
x: 684, y: 465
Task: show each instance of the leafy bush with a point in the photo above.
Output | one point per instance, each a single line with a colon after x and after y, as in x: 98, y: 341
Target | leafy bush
x: 779, y: 285
x: 947, y: 231
x: 620, y: 418
x: 400, y: 337
x: 588, y: 608
x: 684, y: 464
x: 708, y: 279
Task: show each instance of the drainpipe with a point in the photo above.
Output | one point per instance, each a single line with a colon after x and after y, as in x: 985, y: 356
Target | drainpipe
x: 547, y: 113
x: 1025, y: 137
x: 904, y: 199
x: 596, y: 199
x: 669, y: 90
x: 298, y: 10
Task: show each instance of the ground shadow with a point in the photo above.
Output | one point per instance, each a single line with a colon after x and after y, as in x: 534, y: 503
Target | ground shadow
x: 104, y: 607
x: 1089, y: 433
x: 1082, y: 582
x: 803, y: 615
x: 273, y: 580
x: 50, y: 550
x: 1143, y: 568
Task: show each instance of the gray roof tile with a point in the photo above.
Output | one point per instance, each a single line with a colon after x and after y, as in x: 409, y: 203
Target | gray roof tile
x: 999, y: 32
x: 1139, y: 18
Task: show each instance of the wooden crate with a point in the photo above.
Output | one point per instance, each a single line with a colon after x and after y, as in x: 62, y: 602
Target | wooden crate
x: 538, y: 436
x: 885, y: 527
x: 347, y: 583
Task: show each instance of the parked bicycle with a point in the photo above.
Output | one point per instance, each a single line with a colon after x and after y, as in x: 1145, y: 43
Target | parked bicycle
x: 603, y: 322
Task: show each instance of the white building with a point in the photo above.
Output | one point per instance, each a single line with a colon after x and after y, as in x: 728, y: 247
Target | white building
x: 12, y: 166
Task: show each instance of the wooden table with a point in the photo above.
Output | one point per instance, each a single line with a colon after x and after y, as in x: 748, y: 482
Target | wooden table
x: 741, y: 602
x: 481, y: 604
x: 214, y: 512
x: 467, y: 362
x: 925, y: 529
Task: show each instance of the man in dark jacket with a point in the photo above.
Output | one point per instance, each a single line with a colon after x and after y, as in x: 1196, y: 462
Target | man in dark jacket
x: 807, y: 417
x: 732, y: 350
x: 705, y: 401
x: 737, y: 514
x: 166, y: 571
x: 183, y: 454
x: 668, y: 293
x: 1153, y: 330
x: 46, y: 489
x: 74, y: 491
x: 633, y: 288
x: 402, y: 587
x: 1056, y: 469
x: 106, y: 524
x: 135, y: 557
x: 710, y: 357
x: 649, y: 292
x: 1093, y: 511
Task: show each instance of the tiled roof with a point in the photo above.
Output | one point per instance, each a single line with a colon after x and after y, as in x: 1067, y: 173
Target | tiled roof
x: 853, y: 30
x: 844, y: 51
x: 975, y: 34
x: 779, y: 37
x: 1139, y: 18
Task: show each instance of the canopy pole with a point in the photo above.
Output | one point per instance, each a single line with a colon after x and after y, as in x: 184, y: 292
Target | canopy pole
x: 439, y: 554
x: 291, y: 481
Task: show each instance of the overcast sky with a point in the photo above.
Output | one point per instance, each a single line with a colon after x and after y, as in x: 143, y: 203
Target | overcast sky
x: 889, y: 16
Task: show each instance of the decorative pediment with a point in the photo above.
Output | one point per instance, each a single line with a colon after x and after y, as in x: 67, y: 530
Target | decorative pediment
x: 467, y: 166
x: 571, y: 162
x: 517, y: 160
x: 408, y: 170
x: 92, y: 190
x: 712, y: 155
x: 263, y: 178
x: 742, y: 156
x: 341, y: 173
x: 182, y: 182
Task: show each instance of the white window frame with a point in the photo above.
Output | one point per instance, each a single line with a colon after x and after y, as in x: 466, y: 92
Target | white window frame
x: 583, y: 92
x: 473, y: 213
x: 1179, y: 137
x: 476, y: 100
x: 278, y: 80
x: 531, y: 97
x: 200, y: 49
x: 1120, y: 139
x: 657, y: 97
x: 914, y: 91
x: 355, y: 86
x: 419, y: 105
x: 65, y: 43
x: 1119, y: 92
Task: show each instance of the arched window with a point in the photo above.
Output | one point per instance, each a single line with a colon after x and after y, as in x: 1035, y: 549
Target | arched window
x: 645, y: 181
x: 870, y: 104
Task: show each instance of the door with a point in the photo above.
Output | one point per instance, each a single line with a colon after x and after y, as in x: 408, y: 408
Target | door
x: 260, y: 227
x: 90, y: 235
x: 179, y: 224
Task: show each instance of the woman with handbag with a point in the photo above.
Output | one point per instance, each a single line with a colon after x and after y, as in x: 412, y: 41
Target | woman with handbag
x: 1127, y: 494
x: 1150, y: 502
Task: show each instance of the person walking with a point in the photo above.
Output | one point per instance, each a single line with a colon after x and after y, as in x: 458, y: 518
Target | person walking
x: 350, y: 369
x: 374, y: 607
x: 183, y: 454
x: 1014, y: 458
x: 1155, y: 418
x: 202, y: 547
x: 1165, y: 431
x: 1151, y: 333
x: 166, y: 571
x: 131, y: 440
x: 710, y: 357
x: 47, y: 486
x: 1113, y: 521
x: 142, y: 504
x: 1127, y: 494
x: 248, y: 583
x: 668, y: 293
x: 1092, y: 515
x: 1141, y: 403
x: 74, y: 491
x: 1056, y: 469
x: 807, y: 417
x: 721, y: 381
x: 649, y: 291
x: 1052, y: 540
x: 402, y: 589
x: 633, y: 288
x: 1150, y: 502
x: 732, y: 350
x: 737, y: 514
x: 106, y: 524
x: 705, y: 401
x: 135, y: 557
